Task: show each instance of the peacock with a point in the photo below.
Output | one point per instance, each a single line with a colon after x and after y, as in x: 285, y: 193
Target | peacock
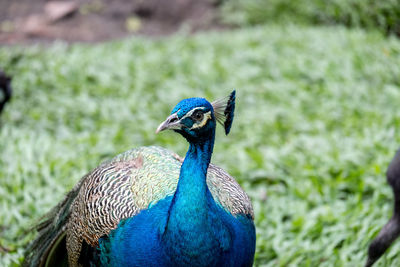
x: 391, y: 231
x: 150, y: 207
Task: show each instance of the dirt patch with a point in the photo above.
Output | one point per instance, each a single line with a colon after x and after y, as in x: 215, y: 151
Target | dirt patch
x: 27, y: 21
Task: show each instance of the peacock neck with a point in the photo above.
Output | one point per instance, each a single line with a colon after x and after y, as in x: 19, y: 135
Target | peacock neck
x: 193, y: 173
x: 190, y: 198
x: 188, y: 226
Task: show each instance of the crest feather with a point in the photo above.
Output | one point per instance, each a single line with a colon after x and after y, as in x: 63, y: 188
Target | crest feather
x: 224, y: 109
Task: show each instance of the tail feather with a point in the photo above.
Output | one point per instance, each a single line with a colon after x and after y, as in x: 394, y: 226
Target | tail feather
x: 45, y: 249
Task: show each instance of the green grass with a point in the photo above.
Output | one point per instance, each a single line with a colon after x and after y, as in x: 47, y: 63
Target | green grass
x: 316, y: 125
x: 369, y: 14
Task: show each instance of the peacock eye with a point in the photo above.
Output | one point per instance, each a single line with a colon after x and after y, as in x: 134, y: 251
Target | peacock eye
x: 198, y: 115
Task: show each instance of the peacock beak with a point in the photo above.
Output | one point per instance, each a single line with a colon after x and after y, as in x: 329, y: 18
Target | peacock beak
x: 171, y: 123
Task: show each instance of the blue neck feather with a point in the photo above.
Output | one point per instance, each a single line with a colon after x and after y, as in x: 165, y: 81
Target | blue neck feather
x: 188, y: 226
x: 192, y: 191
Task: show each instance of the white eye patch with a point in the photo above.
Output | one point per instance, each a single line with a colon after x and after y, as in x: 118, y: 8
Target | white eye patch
x: 191, y: 112
x: 206, y: 117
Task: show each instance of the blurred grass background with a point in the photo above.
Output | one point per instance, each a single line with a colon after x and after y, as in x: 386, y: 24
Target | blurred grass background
x: 315, y: 128
x: 369, y: 14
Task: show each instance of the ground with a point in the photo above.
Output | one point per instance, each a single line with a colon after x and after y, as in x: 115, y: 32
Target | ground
x: 99, y: 20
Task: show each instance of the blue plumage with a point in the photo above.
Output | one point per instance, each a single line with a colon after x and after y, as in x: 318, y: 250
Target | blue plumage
x: 185, y: 105
x: 131, y: 212
x: 144, y: 247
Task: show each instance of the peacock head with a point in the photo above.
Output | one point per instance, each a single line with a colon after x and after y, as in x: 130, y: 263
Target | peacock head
x: 195, y: 118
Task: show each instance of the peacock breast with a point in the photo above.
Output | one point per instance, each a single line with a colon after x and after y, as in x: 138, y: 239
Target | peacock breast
x: 223, y: 240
